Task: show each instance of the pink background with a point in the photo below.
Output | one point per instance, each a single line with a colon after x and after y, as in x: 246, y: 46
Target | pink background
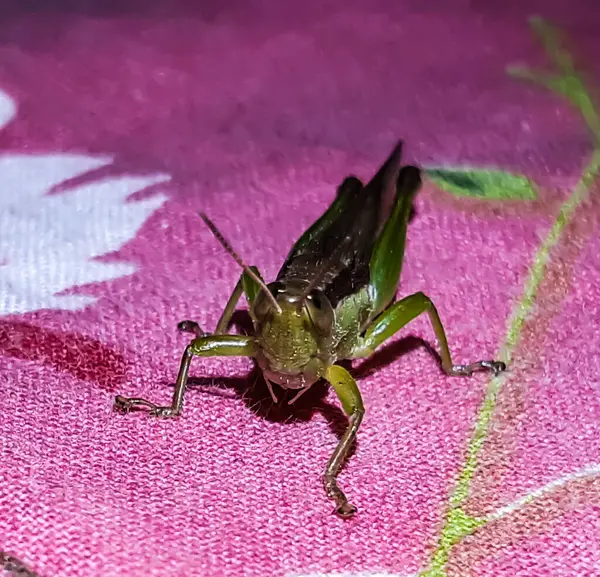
x: 257, y: 112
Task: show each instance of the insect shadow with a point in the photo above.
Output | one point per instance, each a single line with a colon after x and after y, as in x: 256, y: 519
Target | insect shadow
x: 252, y: 388
x: 83, y: 357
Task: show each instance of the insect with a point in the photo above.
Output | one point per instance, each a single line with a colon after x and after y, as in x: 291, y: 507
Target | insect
x: 333, y: 300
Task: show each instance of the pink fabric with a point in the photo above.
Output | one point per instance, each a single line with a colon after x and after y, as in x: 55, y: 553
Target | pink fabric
x: 256, y: 111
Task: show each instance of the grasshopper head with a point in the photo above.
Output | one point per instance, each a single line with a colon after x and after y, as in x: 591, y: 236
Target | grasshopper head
x: 294, y: 351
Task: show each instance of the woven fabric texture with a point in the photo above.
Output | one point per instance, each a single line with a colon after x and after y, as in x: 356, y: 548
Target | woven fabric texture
x: 122, y: 120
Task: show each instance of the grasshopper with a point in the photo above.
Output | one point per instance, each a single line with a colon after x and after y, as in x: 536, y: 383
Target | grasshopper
x: 333, y: 300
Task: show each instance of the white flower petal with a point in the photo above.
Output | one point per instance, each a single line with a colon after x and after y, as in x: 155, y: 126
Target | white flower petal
x: 48, y: 241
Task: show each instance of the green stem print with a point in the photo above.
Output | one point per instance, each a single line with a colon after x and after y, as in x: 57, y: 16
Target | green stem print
x: 566, y: 82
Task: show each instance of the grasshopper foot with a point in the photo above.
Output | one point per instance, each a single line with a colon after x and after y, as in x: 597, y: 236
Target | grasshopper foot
x: 191, y: 327
x: 495, y: 367
x: 346, y: 510
x: 164, y: 412
x: 343, y: 509
x: 125, y: 404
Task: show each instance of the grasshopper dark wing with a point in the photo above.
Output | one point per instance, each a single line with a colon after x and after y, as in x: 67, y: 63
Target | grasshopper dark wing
x: 347, y: 231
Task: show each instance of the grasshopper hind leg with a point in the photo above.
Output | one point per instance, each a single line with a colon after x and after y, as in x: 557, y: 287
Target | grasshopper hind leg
x: 388, y: 254
x: 404, y: 312
x: 385, y: 269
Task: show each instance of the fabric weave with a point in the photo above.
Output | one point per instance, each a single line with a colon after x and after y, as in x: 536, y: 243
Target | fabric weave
x: 254, y: 112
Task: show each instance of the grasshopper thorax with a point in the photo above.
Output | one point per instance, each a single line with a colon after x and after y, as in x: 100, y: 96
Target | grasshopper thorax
x: 295, y: 342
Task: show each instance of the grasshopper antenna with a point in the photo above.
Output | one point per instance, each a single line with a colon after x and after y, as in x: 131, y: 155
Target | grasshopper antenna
x: 227, y: 246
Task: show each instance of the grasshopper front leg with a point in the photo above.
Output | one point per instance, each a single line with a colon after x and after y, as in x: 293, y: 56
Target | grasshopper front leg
x: 208, y: 346
x: 244, y: 284
x: 219, y: 344
x: 402, y: 313
x: 349, y: 395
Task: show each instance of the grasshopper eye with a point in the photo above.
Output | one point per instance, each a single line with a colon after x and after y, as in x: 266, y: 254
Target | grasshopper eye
x: 320, y: 312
